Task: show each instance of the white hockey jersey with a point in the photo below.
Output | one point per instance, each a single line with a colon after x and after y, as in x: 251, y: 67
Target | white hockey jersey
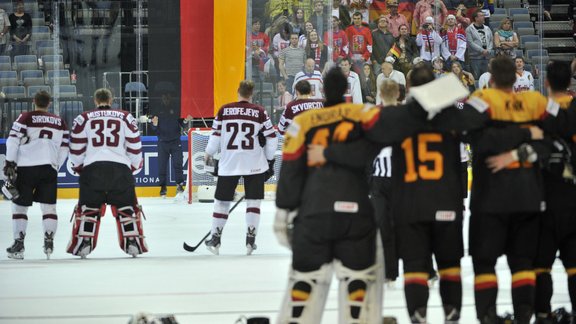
x: 38, y: 138
x: 354, y: 92
x: 316, y: 83
x: 106, y: 135
x: 235, y: 134
x: 524, y: 82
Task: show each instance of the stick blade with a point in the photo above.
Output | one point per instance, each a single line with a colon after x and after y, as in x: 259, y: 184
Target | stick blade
x: 189, y: 248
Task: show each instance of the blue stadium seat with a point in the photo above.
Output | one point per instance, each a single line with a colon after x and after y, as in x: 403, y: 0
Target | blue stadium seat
x: 32, y: 90
x: 8, y: 78
x: 14, y: 92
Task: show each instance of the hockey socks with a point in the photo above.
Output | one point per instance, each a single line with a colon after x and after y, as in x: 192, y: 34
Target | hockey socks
x: 451, y: 292
x: 416, y: 293
x: 523, y: 283
x: 219, y: 216
x: 253, y: 213
x: 19, y: 220
x: 543, y: 291
x: 485, y: 293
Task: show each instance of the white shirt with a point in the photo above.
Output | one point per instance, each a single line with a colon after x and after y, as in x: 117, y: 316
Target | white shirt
x: 106, y: 135
x: 38, y: 138
x: 235, y: 134
x: 354, y: 92
x: 316, y: 83
x: 396, y: 76
x: 524, y: 82
x: 484, y: 80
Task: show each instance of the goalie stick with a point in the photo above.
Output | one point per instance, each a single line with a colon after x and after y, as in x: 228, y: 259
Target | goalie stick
x: 193, y: 248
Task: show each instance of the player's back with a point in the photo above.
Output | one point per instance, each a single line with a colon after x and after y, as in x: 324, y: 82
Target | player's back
x: 43, y: 135
x: 295, y: 108
x: 238, y: 125
x: 105, y: 135
x: 330, y: 187
x: 517, y: 188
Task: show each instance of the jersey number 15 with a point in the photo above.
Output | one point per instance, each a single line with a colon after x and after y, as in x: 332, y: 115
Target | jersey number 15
x: 430, y: 164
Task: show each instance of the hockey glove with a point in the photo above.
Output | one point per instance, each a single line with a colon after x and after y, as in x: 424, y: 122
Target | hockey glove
x: 270, y: 172
x: 261, y: 139
x: 10, y: 170
x: 283, y: 226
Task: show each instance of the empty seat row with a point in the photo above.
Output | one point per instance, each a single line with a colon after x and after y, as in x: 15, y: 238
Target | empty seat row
x: 34, y: 77
x: 17, y: 92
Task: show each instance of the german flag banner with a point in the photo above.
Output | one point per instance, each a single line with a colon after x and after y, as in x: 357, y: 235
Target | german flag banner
x: 395, y: 51
x: 213, y: 42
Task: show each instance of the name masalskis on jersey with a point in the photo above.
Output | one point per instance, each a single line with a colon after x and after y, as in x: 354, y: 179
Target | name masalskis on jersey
x: 236, y: 111
x: 47, y: 120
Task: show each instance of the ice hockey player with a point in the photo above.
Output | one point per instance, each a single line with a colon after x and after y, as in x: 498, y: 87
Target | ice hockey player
x: 35, y: 149
x: 105, y: 148
x: 303, y: 103
x: 331, y: 232
x: 237, y: 133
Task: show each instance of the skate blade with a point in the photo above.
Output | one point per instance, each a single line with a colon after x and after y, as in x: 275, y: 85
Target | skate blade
x: 16, y: 256
x: 214, y: 250
x: 48, y: 252
x: 250, y: 249
x: 133, y: 251
x: 83, y: 253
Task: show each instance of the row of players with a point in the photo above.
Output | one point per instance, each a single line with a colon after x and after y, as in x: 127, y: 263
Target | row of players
x: 522, y: 197
x: 103, y: 141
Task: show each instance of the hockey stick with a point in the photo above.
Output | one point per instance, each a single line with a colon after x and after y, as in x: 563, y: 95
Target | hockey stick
x: 193, y: 248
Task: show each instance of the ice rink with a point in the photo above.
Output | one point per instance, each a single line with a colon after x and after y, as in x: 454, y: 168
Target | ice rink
x: 109, y: 286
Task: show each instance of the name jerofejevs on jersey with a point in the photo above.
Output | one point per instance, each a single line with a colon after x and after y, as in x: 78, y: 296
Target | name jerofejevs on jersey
x: 235, y: 134
x: 38, y: 138
x: 106, y: 135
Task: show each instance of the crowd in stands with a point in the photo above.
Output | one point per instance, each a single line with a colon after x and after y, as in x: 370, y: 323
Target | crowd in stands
x: 384, y: 39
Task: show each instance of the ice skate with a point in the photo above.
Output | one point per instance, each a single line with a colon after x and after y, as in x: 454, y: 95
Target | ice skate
x: 389, y: 283
x: 213, y: 244
x: 132, y: 247
x: 250, y: 240
x: 180, y: 193
x: 85, y: 248
x: 16, y: 251
x: 48, y: 244
x: 163, y: 191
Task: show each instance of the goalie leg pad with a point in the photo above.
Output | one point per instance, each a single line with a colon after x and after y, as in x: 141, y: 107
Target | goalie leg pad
x: 130, y: 230
x: 85, y: 229
x: 306, y: 296
x: 360, y: 293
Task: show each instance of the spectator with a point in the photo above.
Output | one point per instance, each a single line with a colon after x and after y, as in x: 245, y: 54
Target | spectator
x: 313, y: 77
x: 339, y: 40
x: 465, y: 77
x: 277, y: 8
x: 168, y: 126
x: 291, y: 60
x: 20, y: 30
x: 360, y: 6
x: 368, y: 84
x: 284, y: 97
x: 524, y: 79
x: 430, y: 8
x: 480, y: 44
x: 461, y: 16
x: 261, y: 39
x: 377, y: 9
x: 428, y: 40
x: 318, y: 18
x: 388, y: 72
x: 303, y: 38
x: 354, y: 92
x: 280, y: 41
x: 298, y: 21
x: 305, y: 5
x: 484, y: 80
x: 409, y: 50
x: 360, y: 40
x: 395, y: 20
x: 454, y: 45
x: 383, y: 41
x: 505, y: 39
x: 438, y: 66
x: 4, y: 28
x: 316, y: 50
x: 487, y: 7
x: 342, y: 13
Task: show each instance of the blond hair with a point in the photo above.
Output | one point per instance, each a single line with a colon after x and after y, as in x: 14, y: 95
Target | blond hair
x: 389, y: 92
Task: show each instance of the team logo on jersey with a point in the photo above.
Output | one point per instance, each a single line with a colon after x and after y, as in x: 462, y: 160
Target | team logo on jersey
x: 345, y: 206
x: 445, y: 216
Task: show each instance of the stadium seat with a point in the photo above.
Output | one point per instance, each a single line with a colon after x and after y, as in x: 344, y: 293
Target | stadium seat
x: 14, y: 92
x: 536, y: 52
x: 25, y: 62
x: 524, y: 31
x: 512, y: 3
x: 32, y: 90
x: 523, y: 24
x: 521, y: 17
x: 66, y: 91
x: 52, y: 62
x: 8, y: 78
x: 518, y: 11
x: 57, y: 76
x: 528, y: 38
x: 32, y: 77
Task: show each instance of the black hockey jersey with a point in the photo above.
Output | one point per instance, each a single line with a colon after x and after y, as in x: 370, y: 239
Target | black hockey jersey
x: 327, y: 188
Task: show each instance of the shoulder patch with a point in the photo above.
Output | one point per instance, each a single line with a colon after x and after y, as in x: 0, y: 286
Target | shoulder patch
x: 552, y: 107
x: 478, y: 104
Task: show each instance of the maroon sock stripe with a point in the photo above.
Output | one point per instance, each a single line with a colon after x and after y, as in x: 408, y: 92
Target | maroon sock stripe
x: 253, y: 210
x: 19, y: 216
x: 218, y: 215
x: 50, y: 216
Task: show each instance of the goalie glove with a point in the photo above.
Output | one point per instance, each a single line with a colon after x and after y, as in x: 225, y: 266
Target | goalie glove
x: 283, y: 226
x: 270, y: 171
x: 10, y: 170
